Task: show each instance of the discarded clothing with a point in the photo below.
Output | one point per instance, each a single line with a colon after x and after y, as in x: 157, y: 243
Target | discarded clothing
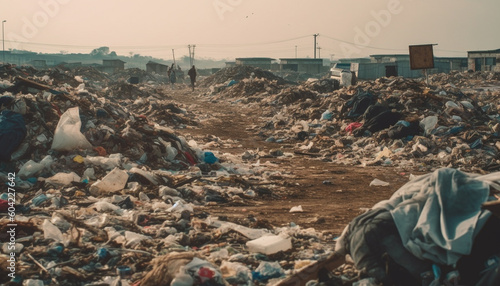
x: 353, y: 126
x: 439, y: 214
x: 359, y: 103
x: 371, y: 235
x: 382, y: 121
x: 12, y: 133
x: 399, y: 131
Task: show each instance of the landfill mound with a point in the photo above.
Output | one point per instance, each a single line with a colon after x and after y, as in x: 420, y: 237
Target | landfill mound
x: 393, y: 122
x: 259, y: 88
x: 90, y: 74
x: 401, y: 122
x: 238, y: 73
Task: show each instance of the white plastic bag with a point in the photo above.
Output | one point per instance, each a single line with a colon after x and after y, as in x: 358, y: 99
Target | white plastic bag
x: 63, y: 179
x: 113, y: 181
x: 32, y: 168
x: 51, y: 231
x: 67, y: 136
x: 428, y: 124
x: 379, y: 183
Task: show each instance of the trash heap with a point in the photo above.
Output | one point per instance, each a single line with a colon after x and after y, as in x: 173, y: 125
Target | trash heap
x: 107, y: 193
x: 242, y: 81
x: 441, y: 228
x: 453, y: 121
x: 141, y: 76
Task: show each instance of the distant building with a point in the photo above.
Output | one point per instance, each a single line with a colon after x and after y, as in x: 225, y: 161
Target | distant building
x: 152, y: 67
x: 302, y: 65
x: 230, y: 64
x: 484, y: 60
x: 398, y: 65
x: 263, y: 63
x: 112, y: 66
x: 38, y: 63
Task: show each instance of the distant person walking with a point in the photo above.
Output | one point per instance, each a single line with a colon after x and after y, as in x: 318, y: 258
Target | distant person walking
x: 192, y: 76
x: 171, y: 76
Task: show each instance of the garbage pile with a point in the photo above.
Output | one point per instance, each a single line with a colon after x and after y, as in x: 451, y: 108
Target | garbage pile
x: 136, y: 75
x: 453, y: 122
x: 438, y: 229
x: 298, y: 77
x: 102, y: 191
x: 90, y: 75
x: 244, y: 80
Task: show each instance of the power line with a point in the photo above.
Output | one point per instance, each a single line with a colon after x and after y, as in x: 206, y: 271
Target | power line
x: 364, y: 46
x: 379, y: 48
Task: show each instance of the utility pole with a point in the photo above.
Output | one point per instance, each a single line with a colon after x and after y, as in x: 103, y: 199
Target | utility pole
x: 295, y: 51
x: 191, y: 55
x: 315, y: 35
x: 319, y: 52
x: 192, y: 62
x: 173, y: 56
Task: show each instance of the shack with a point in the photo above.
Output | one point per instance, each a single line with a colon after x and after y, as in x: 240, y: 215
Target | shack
x: 153, y: 67
x: 112, y: 66
x: 484, y: 60
x: 303, y: 65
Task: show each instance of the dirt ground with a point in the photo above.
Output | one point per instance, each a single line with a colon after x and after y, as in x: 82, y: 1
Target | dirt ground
x: 331, y: 195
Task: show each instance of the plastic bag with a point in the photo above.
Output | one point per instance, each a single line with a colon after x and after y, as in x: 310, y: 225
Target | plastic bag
x: 67, y: 136
x: 204, y: 273
x: 113, y: 161
x: 428, y: 124
x: 113, y: 181
x: 236, y: 273
x: 327, y: 115
x: 51, y: 231
x: 63, y: 179
x: 32, y: 168
x: 379, y: 183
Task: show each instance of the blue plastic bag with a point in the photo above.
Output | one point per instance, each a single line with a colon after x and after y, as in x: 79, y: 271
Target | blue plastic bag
x: 210, y: 158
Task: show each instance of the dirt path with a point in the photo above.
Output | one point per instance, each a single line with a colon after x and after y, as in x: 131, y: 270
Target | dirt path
x: 330, y: 195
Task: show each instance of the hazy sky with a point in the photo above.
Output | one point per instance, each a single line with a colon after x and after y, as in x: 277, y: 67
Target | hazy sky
x: 251, y: 28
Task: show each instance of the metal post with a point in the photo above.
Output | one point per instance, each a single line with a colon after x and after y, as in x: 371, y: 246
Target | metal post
x: 194, y: 46
x: 3, y: 41
x: 315, y: 35
x: 295, y: 51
